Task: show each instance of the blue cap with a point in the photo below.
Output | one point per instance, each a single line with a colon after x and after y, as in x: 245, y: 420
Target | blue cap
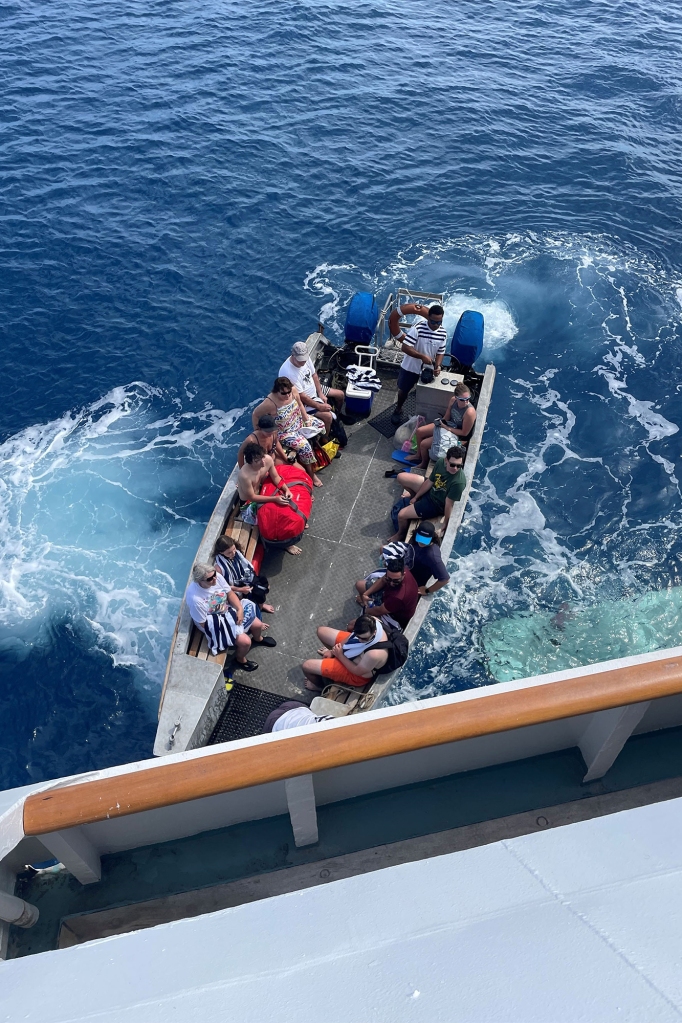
x: 423, y: 538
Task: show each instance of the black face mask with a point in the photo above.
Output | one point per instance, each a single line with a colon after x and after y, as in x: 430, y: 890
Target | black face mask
x: 394, y: 583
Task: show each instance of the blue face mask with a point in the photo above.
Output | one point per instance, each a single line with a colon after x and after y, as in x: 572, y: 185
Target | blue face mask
x: 422, y: 540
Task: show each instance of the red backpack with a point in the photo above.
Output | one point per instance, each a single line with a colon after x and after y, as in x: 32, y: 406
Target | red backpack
x: 279, y: 525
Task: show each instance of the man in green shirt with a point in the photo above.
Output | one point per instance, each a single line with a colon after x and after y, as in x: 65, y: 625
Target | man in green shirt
x: 435, y: 496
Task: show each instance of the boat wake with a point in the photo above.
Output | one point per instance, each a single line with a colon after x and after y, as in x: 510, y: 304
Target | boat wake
x: 100, y: 514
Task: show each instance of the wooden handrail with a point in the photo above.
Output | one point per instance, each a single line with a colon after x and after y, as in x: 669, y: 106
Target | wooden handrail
x: 366, y: 738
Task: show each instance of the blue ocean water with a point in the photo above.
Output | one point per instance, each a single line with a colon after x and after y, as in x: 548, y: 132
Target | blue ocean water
x: 186, y: 188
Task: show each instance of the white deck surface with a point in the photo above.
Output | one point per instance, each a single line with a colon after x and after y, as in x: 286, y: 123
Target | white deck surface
x: 578, y: 923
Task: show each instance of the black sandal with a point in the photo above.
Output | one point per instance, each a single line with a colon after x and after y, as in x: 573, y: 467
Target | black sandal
x: 265, y: 641
x: 391, y: 474
x: 246, y: 665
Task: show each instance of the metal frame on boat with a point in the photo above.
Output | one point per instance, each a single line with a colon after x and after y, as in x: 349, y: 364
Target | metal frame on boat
x: 194, y: 694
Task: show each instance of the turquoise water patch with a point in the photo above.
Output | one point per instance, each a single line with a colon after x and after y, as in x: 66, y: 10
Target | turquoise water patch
x: 529, y: 645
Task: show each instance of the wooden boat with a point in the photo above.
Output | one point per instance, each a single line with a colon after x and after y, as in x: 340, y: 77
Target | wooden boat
x: 350, y: 521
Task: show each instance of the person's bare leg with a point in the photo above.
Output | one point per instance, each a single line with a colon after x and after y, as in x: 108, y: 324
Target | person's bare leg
x: 313, y: 675
x: 327, y: 635
x: 423, y: 433
x: 424, y: 453
x: 336, y: 398
x: 242, y: 646
x: 308, y: 466
x: 405, y: 516
x: 410, y: 481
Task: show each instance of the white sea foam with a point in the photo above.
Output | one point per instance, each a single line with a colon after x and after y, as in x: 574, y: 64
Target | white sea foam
x: 328, y: 282
x: 499, y: 322
x: 100, y: 513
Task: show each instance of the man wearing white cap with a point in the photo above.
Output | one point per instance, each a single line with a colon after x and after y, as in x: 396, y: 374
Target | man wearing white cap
x: 300, y: 370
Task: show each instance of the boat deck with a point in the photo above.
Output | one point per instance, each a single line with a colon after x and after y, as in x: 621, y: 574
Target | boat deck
x: 349, y: 522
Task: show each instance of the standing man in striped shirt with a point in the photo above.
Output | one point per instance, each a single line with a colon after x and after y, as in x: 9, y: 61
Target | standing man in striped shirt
x: 424, y: 345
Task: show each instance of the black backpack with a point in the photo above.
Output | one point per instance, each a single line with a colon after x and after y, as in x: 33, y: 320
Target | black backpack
x: 398, y: 649
x: 337, y: 433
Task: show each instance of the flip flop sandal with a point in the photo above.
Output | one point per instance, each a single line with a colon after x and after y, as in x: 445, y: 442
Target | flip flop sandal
x: 265, y: 641
x: 391, y: 474
x: 246, y: 665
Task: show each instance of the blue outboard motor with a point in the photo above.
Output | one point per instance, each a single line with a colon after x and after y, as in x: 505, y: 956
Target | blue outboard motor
x: 361, y: 319
x: 467, y: 340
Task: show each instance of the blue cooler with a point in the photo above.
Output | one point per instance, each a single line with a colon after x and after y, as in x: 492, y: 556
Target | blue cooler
x: 358, y: 401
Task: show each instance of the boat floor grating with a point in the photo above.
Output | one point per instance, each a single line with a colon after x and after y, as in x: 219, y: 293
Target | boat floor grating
x: 244, y: 714
x: 383, y: 423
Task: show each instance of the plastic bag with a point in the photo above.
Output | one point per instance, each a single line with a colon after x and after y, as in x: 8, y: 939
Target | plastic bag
x: 410, y: 446
x: 332, y: 448
x: 404, y: 432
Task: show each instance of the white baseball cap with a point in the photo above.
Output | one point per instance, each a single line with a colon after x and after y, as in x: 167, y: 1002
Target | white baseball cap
x: 300, y: 350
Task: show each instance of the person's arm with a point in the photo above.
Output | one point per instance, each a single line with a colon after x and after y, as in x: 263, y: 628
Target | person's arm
x: 351, y: 666
x: 297, y: 399
x: 441, y: 576
x: 319, y: 402
x: 240, y: 453
x: 247, y: 494
x: 376, y: 612
x: 449, y: 505
x: 236, y: 603
x: 259, y: 411
x: 438, y: 363
x: 426, y: 359
x: 424, y: 489
x: 467, y: 423
x: 377, y: 585
x: 279, y: 482
x: 434, y: 587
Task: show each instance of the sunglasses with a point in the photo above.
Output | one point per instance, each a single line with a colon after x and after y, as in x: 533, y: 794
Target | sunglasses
x: 211, y: 578
x: 455, y: 465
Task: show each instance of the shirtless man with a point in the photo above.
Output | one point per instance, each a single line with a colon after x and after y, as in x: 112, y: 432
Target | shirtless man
x: 336, y: 665
x: 257, y: 465
x: 265, y: 434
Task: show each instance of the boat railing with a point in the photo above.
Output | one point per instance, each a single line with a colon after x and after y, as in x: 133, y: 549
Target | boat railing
x: 595, y: 708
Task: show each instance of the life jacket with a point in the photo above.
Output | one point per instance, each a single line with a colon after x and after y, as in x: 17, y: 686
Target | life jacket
x: 282, y: 525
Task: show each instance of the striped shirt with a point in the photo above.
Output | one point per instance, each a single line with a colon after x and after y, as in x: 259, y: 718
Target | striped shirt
x: 422, y: 339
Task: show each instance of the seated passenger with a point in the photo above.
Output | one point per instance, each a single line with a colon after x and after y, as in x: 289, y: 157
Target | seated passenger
x: 421, y: 556
x: 428, y: 562
x: 349, y: 659
x: 292, y: 714
x: 457, y: 423
x: 300, y: 370
x: 209, y: 593
x: 393, y: 597
x: 284, y: 404
x: 265, y: 434
x: 233, y: 564
x: 257, y: 465
x: 435, y: 496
